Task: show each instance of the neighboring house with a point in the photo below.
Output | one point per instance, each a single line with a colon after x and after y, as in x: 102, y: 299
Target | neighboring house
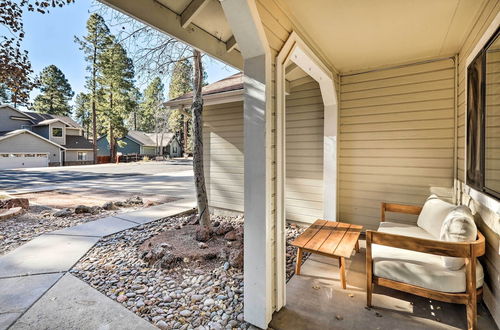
x: 30, y: 139
x: 141, y: 143
x: 380, y: 116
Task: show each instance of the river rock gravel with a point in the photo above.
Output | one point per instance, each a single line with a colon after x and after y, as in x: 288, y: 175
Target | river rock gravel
x: 189, y: 295
x: 38, y: 220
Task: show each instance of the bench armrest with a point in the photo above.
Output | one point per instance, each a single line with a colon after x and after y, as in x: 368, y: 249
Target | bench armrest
x: 442, y: 248
x: 399, y: 208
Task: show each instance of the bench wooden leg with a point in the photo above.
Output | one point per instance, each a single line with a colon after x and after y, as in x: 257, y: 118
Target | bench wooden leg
x: 299, y: 261
x: 342, y: 271
x: 471, y: 307
x: 357, y: 246
x: 369, y: 269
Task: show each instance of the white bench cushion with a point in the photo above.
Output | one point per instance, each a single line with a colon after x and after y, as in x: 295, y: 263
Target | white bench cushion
x: 459, y: 226
x: 433, y: 214
x: 417, y: 268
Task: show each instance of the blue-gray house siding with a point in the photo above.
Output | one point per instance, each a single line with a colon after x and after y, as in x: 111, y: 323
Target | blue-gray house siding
x: 41, y: 130
x: 131, y: 147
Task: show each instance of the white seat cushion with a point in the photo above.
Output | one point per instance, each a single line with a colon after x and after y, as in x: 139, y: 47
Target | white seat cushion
x: 417, y: 268
x: 459, y: 226
x: 433, y: 214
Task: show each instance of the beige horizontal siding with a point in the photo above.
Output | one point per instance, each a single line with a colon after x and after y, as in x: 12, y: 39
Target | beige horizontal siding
x: 223, y: 155
x: 396, y: 138
x: 304, y: 153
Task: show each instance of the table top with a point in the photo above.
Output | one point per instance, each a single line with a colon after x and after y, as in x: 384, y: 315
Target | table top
x: 329, y: 238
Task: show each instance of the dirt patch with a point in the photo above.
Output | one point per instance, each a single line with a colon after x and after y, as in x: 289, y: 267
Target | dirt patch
x: 179, y: 245
x: 73, y: 197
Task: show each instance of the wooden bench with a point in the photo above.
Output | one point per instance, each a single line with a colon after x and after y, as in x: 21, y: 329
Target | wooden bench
x: 331, y: 239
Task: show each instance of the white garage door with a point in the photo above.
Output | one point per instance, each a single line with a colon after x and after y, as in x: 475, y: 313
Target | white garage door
x: 20, y: 160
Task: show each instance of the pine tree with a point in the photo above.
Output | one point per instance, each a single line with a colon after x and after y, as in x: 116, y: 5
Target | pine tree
x: 135, y: 100
x: 94, y: 44
x: 179, y: 119
x: 83, y: 111
x: 55, y: 93
x: 4, y: 94
x: 182, y: 79
x: 117, y: 82
x: 151, y: 103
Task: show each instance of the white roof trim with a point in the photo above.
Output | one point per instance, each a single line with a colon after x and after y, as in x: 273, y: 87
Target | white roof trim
x: 12, y: 108
x: 21, y: 131
x: 211, y: 99
x: 50, y: 121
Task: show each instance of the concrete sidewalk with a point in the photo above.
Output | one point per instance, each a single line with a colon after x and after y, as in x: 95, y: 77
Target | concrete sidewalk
x: 36, y: 292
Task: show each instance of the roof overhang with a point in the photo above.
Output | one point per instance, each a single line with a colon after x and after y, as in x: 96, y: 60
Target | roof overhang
x: 23, y: 131
x: 199, y: 23
x: 211, y: 99
x: 18, y: 111
x: 348, y: 36
x: 54, y: 120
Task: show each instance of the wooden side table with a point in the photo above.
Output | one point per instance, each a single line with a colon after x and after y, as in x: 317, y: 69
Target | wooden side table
x: 331, y: 239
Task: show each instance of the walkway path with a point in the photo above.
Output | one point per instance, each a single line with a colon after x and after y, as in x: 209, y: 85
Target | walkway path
x: 37, y: 292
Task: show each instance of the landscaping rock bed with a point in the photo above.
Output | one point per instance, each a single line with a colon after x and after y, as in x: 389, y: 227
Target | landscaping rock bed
x: 38, y: 220
x: 193, y: 293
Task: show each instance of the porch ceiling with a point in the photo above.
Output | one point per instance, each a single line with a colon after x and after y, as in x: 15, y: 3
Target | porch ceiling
x: 357, y: 35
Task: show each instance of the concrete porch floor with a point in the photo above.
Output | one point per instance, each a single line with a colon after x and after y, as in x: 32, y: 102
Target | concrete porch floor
x: 315, y: 300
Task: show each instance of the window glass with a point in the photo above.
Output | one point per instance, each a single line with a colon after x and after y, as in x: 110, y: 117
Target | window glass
x: 492, y: 118
x: 82, y: 155
x: 57, y: 131
x: 483, y: 119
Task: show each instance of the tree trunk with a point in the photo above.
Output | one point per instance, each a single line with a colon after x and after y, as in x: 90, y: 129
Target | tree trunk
x: 112, y: 143
x: 94, y: 116
x: 199, y: 174
x: 185, y: 146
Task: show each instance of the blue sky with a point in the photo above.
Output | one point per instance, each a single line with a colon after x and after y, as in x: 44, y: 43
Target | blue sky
x: 50, y: 40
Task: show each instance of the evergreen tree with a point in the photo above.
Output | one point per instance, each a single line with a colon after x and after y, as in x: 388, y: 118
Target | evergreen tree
x: 94, y: 44
x: 135, y: 101
x: 83, y: 111
x: 4, y: 94
x: 152, y: 102
x: 182, y: 79
x: 117, y: 82
x: 55, y: 93
x: 179, y: 120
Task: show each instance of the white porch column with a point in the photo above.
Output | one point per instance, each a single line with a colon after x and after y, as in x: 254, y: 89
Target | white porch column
x: 330, y: 162
x: 259, y: 269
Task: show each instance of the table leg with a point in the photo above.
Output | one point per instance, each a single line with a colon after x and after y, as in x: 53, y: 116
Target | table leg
x: 357, y: 246
x: 299, y: 261
x: 342, y: 271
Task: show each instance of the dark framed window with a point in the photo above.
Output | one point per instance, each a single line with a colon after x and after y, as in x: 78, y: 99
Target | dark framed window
x: 57, y: 131
x: 483, y: 119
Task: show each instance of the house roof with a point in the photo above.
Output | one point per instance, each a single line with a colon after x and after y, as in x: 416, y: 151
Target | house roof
x: 39, y: 118
x: 222, y: 87
x: 9, y: 134
x: 50, y: 121
x: 77, y: 142
x: 140, y: 137
x: 149, y: 139
x: 162, y: 138
x: 24, y: 114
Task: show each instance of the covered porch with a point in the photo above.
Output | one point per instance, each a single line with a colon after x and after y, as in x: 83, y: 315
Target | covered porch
x: 390, y: 86
x: 316, y: 300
